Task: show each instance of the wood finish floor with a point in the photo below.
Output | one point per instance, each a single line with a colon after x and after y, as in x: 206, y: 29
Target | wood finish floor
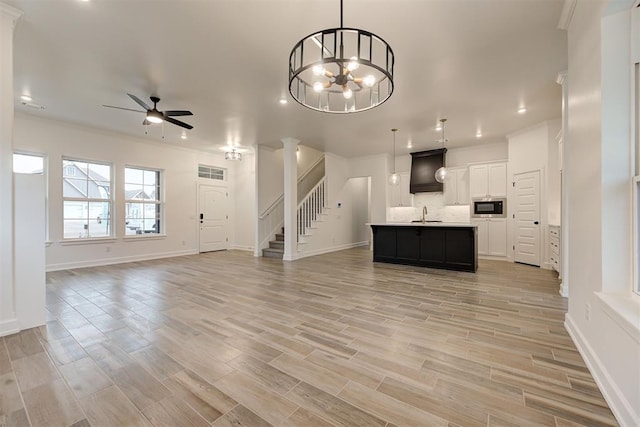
x: 226, y: 339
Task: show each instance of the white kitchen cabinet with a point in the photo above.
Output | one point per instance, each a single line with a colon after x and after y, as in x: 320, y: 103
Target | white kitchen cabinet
x: 554, y: 247
x: 400, y: 195
x: 488, y: 180
x: 456, y: 187
x: 492, y: 236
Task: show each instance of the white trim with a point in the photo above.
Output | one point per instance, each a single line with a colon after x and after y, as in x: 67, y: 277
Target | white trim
x: 118, y: 260
x: 143, y: 237
x: 14, y: 13
x: 87, y: 241
x: 10, y: 326
x: 624, y: 310
x: 566, y: 15
x: 622, y: 409
x: 241, y: 248
x: 302, y: 254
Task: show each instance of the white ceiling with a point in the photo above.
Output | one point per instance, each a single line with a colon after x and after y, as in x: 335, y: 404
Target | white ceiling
x: 471, y: 61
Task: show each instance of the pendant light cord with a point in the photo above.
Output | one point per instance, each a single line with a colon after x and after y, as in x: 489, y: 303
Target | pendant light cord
x: 341, y: 24
x: 394, y: 150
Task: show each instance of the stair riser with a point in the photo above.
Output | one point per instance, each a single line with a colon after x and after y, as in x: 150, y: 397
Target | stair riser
x: 280, y: 237
x: 276, y: 245
x: 266, y: 253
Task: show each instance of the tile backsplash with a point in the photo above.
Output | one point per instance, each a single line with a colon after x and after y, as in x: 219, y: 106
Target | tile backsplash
x: 436, y: 208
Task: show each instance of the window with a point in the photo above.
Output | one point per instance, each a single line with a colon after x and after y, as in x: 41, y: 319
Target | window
x: 210, y: 172
x: 86, y: 193
x: 28, y: 163
x: 143, y: 204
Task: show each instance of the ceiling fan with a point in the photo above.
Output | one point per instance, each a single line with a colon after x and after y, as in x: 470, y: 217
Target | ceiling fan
x: 155, y: 116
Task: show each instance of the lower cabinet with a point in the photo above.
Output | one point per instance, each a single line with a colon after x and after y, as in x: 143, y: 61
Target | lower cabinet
x: 492, y: 236
x: 451, y: 248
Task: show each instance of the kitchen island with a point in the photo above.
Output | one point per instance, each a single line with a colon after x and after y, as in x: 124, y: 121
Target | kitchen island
x: 446, y: 245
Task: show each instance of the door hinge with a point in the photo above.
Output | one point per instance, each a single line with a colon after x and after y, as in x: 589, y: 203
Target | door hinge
x: 514, y: 216
x: 514, y: 248
x: 227, y: 239
x: 513, y: 183
x: 227, y: 216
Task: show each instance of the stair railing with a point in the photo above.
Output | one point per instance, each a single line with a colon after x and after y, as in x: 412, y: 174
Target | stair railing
x: 311, y: 207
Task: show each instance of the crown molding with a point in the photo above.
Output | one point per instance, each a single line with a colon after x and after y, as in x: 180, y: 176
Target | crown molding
x: 11, y: 12
x: 566, y: 15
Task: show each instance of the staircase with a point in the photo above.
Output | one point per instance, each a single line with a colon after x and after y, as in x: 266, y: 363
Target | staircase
x: 276, y: 247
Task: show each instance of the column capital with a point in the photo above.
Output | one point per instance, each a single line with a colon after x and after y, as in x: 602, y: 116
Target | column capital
x: 290, y: 142
x: 11, y: 12
x: 562, y: 76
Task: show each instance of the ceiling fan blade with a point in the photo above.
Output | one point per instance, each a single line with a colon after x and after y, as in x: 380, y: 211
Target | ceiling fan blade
x: 122, y: 108
x: 178, y: 113
x: 139, y: 102
x: 178, y: 123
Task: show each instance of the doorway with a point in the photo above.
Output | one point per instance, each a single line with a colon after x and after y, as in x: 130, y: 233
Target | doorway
x: 213, y: 218
x: 527, y: 218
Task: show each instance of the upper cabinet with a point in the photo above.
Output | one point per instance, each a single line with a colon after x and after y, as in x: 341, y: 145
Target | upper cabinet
x: 456, y: 187
x: 488, y: 180
x: 400, y: 195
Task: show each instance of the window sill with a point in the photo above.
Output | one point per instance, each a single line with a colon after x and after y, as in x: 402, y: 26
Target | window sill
x: 87, y: 241
x: 149, y: 236
x: 624, y: 309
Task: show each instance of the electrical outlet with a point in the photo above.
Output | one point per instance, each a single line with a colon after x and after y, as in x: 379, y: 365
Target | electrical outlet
x: 587, y: 311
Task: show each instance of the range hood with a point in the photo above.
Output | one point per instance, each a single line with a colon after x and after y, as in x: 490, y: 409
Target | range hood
x: 424, y: 165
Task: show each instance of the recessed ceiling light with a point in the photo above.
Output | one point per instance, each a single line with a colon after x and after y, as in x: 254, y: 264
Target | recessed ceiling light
x: 183, y: 136
x: 283, y: 101
x: 438, y: 127
x: 409, y: 144
x: 479, y: 134
x: 26, y: 98
x: 522, y: 110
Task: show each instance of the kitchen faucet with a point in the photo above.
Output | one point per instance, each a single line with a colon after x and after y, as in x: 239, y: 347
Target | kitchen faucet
x: 424, y: 213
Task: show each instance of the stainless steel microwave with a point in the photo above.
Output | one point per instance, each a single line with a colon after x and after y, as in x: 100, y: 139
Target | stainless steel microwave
x: 489, y: 208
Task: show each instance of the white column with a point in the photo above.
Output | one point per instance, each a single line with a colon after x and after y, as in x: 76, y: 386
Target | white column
x: 290, y: 160
x: 8, y: 321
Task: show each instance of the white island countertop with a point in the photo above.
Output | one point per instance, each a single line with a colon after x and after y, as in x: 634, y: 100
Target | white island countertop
x: 423, y: 224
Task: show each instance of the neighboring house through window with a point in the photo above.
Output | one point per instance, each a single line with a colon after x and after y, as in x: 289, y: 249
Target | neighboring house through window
x: 143, y: 203
x: 86, y: 192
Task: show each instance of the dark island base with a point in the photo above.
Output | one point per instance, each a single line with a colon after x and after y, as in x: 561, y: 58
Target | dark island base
x: 449, y: 248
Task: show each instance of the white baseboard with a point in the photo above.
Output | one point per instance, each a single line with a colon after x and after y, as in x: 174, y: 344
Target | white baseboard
x: 564, y: 289
x: 242, y: 248
x: 118, y: 260
x: 623, y: 410
x: 8, y: 327
x: 331, y: 249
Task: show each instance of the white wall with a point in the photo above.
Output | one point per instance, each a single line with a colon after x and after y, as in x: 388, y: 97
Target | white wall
x: 464, y: 156
x: 56, y: 139
x: 375, y: 167
x: 598, y: 178
x: 553, y: 176
x: 343, y: 225
x: 243, y: 187
x: 529, y: 151
x: 270, y: 176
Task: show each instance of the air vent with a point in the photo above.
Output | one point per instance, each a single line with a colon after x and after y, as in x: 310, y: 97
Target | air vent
x: 210, y: 172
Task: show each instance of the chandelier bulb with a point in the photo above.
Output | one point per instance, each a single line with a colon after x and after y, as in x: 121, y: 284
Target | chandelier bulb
x: 346, y: 92
x: 353, y: 64
x: 318, y: 86
x: 318, y: 70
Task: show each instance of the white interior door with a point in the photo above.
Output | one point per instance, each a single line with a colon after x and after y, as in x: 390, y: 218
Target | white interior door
x: 527, y: 218
x: 214, y: 218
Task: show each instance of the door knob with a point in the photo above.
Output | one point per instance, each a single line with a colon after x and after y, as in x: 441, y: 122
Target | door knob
x: 536, y: 222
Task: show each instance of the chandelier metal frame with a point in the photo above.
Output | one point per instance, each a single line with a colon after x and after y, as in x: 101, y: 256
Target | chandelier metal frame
x: 341, y: 70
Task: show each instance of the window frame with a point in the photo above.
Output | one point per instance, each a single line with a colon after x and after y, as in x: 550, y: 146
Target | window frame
x: 110, y: 200
x: 159, y: 202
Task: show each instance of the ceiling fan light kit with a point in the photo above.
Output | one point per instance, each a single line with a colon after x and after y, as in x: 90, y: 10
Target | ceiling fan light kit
x: 153, y: 115
x: 341, y: 70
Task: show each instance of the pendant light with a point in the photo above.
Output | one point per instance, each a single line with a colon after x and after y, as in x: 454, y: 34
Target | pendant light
x: 441, y: 173
x: 394, y: 178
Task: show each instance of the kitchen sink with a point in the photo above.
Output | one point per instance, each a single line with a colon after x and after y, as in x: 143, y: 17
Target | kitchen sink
x: 429, y: 220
